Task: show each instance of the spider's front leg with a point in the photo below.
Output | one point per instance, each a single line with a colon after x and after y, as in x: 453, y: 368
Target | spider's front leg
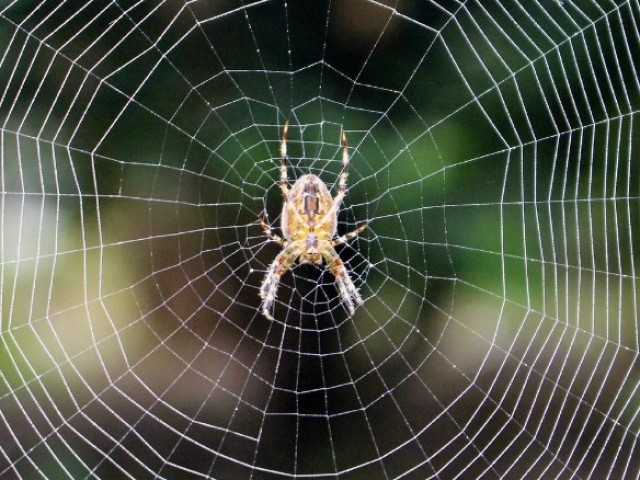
x: 283, y: 162
x: 283, y: 262
x: 284, y: 187
x: 348, y: 290
x: 342, y: 183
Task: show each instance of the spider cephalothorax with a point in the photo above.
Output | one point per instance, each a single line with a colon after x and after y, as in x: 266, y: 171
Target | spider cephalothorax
x: 309, y: 221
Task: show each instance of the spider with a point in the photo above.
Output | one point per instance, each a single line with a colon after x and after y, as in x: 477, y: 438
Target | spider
x: 308, y: 222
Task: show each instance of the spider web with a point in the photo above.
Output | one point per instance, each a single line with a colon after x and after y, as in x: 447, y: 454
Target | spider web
x: 494, y: 155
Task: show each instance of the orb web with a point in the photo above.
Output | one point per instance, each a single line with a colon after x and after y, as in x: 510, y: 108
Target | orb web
x: 494, y: 157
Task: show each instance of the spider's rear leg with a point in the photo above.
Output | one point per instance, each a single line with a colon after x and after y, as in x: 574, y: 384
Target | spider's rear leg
x: 348, y: 290
x: 283, y: 262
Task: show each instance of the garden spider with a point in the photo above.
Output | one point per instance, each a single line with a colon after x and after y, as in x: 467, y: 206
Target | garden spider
x: 309, y: 221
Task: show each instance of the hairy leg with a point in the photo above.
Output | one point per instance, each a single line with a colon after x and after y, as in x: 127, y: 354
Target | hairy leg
x: 284, y: 187
x: 348, y: 236
x: 342, y: 183
x: 272, y: 236
x: 348, y: 290
x: 283, y: 262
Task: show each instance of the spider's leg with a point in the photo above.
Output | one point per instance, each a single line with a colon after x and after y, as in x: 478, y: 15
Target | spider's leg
x: 272, y: 236
x: 284, y: 159
x: 344, y: 173
x: 348, y: 236
x: 284, y: 187
x: 348, y: 290
x: 342, y: 183
x: 283, y: 262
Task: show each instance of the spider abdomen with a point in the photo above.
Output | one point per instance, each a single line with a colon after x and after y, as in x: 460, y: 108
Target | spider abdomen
x: 312, y: 201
